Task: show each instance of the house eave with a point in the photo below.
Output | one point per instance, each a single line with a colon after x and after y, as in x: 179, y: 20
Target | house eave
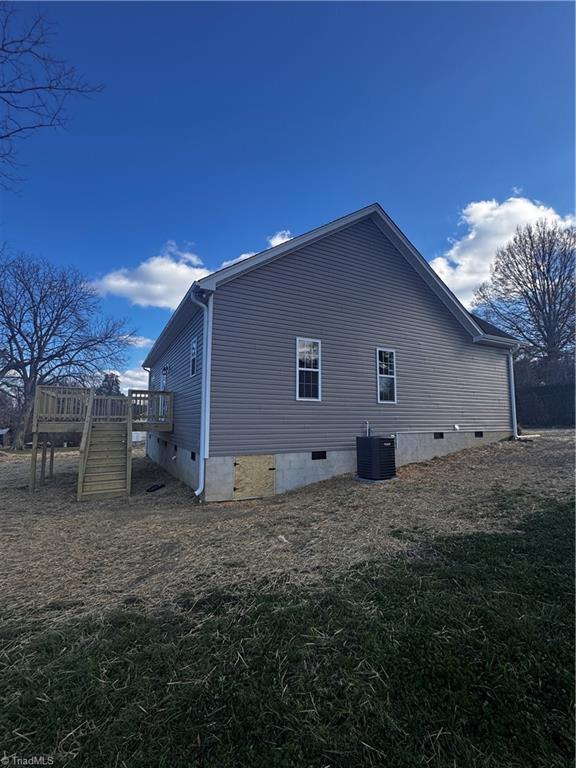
x: 498, y: 341
x: 169, y: 328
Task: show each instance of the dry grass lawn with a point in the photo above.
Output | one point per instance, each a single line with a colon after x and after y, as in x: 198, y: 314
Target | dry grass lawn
x: 63, y: 559
x: 426, y: 622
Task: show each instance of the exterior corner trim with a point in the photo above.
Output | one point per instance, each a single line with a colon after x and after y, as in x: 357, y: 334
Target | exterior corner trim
x: 512, y: 395
x: 205, y: 398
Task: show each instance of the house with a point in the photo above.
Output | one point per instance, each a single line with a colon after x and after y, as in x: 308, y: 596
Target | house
x: 278, y: 361
x: 5, y: 437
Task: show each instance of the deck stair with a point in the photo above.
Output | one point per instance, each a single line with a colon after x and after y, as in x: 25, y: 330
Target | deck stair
x: 106, y: 462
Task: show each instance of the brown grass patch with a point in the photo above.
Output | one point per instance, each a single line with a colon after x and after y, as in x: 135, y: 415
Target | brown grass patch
x: 62, y: 558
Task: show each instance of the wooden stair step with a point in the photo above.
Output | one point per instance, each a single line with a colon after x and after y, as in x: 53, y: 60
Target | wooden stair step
x: 103, y: 494
x: 113, y: 452
x: 118, y: 458
x: 117, y: 474
x: 104, y: 485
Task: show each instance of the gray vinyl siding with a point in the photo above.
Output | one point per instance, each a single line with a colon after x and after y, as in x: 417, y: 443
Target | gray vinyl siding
x: 355, y: 292
x: 187, y: 389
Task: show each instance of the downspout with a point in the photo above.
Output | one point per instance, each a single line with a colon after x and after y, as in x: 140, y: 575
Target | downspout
x: 512, y: 395
x: 205, y: 397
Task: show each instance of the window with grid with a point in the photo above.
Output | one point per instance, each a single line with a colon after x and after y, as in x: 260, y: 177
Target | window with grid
x: 386, y: 374
x: 308, y: 386
x: 193, y: 356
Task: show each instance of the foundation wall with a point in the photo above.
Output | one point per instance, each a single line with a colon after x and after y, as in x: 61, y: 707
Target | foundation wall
x: 175, y: 459
x: 294, y: 470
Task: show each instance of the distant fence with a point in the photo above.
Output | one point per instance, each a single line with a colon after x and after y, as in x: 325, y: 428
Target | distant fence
x: 549, y: 405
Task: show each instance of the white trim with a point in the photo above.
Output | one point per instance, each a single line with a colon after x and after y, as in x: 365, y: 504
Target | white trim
x: 205, y: 398
x: 319, y: 370
x: 512, y: 395
x: 193, y: 345
x: 487, y: 338
x: 385, y: 375
x: 207, y: 354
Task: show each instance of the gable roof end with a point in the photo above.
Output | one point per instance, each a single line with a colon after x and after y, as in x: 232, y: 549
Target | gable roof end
x: 480, y: 330
x: 376, y: 213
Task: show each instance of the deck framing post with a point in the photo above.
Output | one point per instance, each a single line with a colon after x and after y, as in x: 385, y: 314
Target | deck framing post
x: 129, y: 445
x: 43, y: 465
x: 33, y: 461
x: 51, y: 467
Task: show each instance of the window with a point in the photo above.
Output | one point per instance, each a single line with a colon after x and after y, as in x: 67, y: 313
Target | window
x: 318, y: 455
x: 193, y: 356
x: 308, y: 369
x: 386, y: 374
x: 164, y: 379
x: 438, y: 435
x: 478, y: 434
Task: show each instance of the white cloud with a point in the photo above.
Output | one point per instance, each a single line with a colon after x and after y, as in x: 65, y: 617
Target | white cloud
x: 133, y: 378
x: 160, y: 281
x: 139, y: 341
x: 242, y: 257
x: 490, y: 225
x: 282, y: 236
x: 279, y: 237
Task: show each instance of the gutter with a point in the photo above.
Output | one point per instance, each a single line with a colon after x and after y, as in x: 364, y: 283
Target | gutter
x: 206, y: 379
x: 500, y: 341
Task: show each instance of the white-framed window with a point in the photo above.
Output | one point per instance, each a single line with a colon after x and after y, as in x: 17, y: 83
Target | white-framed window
x: 193, y: 356
x: 386, y: 375
x: 308, y: 369
x: 164, y: 379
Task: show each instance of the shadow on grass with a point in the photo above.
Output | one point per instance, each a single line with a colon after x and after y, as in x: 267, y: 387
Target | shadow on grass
x: 464, y: 659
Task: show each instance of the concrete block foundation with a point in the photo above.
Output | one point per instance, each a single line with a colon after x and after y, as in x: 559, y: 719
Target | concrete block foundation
x: 175, y: 459
x: 294, y: 470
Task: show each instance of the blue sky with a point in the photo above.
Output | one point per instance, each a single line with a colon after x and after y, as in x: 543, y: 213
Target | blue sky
x: 222, y: 124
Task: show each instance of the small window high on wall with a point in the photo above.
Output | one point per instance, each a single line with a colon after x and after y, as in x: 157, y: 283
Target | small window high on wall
x: 193, y: 356
x: 386, y: 375
x: 308, y: 369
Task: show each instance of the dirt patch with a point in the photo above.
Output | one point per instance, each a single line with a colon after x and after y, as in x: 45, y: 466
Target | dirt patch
x: 63, y: 558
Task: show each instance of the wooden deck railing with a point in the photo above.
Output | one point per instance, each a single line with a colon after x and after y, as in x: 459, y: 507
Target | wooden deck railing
x: 57, y: 408
x: 151, y: 407
x: 60, y: 404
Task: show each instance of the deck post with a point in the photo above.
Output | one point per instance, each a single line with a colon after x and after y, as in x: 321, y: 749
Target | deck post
x: 43, y: 465
x: 33, y: 460
x: 129, y: 445
x: 51, y: 469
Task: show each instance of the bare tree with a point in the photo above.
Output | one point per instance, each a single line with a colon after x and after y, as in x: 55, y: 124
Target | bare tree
x: 51, y: 331
x: 530, y: 293
x: 35, y: 86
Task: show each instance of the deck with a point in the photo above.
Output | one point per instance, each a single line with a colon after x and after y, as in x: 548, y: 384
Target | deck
x: 65, y: 409
x: 106, y: 423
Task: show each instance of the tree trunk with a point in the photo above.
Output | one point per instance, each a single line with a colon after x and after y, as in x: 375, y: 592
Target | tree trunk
x: 24, y: 421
